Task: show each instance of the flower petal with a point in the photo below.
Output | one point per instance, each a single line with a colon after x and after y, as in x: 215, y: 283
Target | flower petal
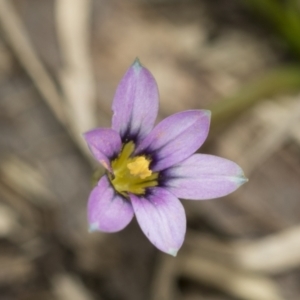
x: 107, y: 210
x: 162, y: 219
x: 176, y: 138
x: 104, y: 143
x: 135, y: 104
x: 203, y: 176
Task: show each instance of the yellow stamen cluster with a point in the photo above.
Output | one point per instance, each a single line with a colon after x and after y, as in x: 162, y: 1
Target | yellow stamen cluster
x: 132, y: 174
x: 139, y: 167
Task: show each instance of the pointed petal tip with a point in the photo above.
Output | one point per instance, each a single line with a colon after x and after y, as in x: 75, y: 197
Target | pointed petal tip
x: 241, y: 176
x: 166, y: 212
x: 107, y: 211
x: 135, y: 104
x: 137, y: 66
x: 207, y: 112
x: 173, y: 252
x: 203, y: 177
x: 240, y: 180
x: 93, y: 227
x: 244, y: 180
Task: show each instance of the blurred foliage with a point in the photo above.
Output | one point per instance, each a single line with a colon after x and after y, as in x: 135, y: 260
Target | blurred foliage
x: 278, y: 81
x: 284, y: 18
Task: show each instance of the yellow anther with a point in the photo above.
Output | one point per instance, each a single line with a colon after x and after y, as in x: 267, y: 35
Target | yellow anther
x: 131, y: 174
x: 140, y: 167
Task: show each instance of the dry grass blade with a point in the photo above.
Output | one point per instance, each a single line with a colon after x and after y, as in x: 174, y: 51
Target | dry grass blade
x: 253, y: 140
x: 163, y: 286
x: 67, y: 287
x: 76, y: 76
x: 8, y: 221
x: 21, y: 208
x: 276, y: 123
x: 26, y: 180
x: 18, y: 39
x: 273, y: 254
x: 15, y: 268
x: 240, y: 284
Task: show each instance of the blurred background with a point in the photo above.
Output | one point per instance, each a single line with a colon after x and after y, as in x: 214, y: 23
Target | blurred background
x: 60, y: 63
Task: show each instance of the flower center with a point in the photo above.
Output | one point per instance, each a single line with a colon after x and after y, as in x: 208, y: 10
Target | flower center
x: 132, y: 174
x: 139, y: 167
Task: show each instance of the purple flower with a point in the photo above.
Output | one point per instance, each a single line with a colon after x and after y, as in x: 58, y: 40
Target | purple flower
x: 148, y: 168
